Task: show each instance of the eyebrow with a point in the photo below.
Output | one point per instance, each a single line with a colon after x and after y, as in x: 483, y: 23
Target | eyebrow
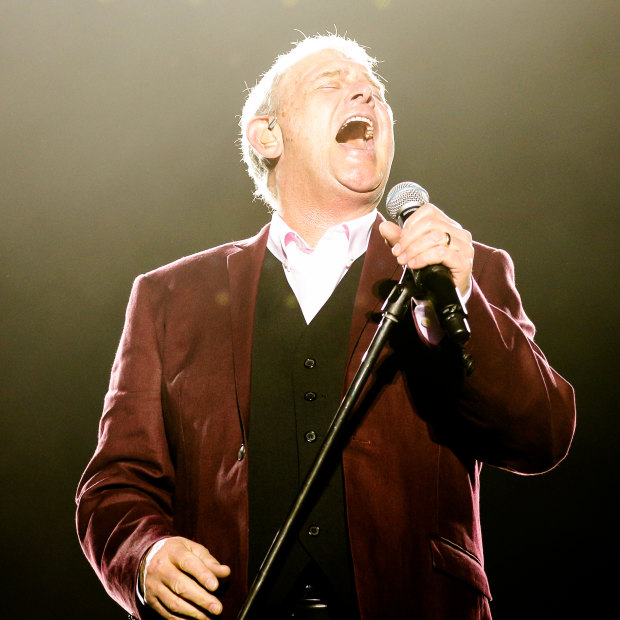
x: 324, y: 74
x: 339, y: 72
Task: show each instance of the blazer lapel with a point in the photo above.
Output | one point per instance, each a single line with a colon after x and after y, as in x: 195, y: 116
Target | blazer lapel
x: 244, y: 268
x: 379, y: 273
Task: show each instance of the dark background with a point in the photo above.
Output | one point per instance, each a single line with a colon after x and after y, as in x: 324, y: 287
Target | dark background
x: 118, y: 128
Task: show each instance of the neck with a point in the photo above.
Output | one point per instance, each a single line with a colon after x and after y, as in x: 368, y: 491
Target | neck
x: 313, y: 225
x: 311, y: 222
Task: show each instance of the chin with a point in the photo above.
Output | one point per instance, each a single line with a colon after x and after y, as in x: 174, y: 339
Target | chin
x: 365, y: 185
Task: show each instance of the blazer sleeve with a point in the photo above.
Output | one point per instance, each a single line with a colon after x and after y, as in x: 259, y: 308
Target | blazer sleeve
x: 515, y: 411
x: 124, y: 499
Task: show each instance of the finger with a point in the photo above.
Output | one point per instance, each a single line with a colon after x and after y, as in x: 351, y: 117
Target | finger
x: 390, y: 232
x: 460, y: 267
x: 209, y: 567
x: 434, y: 249
x: 428, y: 219
x: 430, y: 212
x: 205, y: 555
x: 423, y: 222
x: 183, y: 556
x: 411, y: 251
x: 167, y: 613
x: 179, y: 593
x: 174, y: 610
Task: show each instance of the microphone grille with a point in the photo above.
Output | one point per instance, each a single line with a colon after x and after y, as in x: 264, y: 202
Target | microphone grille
x: 405, y: 194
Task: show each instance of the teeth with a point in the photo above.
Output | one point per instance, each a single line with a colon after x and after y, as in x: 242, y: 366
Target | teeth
x: 362, y: 119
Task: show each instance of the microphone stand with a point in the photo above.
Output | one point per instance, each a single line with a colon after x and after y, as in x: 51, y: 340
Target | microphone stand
x: 393, y: 310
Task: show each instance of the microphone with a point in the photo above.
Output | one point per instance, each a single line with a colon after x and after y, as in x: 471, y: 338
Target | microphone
x: 433, y: 282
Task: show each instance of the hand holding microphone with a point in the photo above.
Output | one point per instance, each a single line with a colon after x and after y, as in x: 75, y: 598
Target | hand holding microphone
x: 438, y: 251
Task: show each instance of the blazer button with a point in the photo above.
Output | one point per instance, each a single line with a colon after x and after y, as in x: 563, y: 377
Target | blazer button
x: 310, y: 396
x: 309, y: 363
x: 241, y: 453
x: 314, y: 530
x: 310, y: 436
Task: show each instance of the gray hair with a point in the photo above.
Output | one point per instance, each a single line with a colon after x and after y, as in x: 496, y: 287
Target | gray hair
x: 263, y: 99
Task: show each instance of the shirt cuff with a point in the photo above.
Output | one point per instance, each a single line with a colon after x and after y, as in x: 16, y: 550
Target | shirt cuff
x: 140, y: 588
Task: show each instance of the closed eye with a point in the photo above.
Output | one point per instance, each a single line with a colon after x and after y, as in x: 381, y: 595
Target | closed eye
x: 377, y: 94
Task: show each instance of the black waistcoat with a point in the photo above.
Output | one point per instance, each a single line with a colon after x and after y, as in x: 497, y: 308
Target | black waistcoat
x: 297, y: 381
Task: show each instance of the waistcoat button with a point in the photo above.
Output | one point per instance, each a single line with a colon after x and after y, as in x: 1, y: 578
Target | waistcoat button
x: 310, y: 396
x: 309, y: 363
x: 314, y: 530
x: 241, y: 453
x: 310, y: 436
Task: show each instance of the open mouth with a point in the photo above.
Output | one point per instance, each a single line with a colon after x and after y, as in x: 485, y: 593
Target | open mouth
x: 356, y: 131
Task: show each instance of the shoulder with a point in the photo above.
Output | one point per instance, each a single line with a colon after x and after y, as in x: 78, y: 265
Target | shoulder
x: 193, y: 279
x: 489, y: 259
x: 206, y: 263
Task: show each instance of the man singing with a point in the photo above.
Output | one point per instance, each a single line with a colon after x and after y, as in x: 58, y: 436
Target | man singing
x: 233, y: 362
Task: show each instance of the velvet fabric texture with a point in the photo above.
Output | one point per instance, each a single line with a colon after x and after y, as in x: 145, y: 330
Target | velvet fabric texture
x: 168, y: 460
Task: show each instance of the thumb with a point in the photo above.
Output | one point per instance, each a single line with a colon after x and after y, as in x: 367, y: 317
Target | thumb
x: 390, y: 232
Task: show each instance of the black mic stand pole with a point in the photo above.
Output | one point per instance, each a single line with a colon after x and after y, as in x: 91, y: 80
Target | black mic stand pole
x: 393, y: 310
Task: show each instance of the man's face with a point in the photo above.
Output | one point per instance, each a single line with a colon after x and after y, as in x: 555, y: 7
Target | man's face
x: 338, y: 140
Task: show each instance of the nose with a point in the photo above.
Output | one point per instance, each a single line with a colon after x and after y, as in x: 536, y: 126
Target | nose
x: 361, y: 92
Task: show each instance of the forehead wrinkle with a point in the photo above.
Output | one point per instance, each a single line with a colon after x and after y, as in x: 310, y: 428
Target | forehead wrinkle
x: 331, y: 73
x: 345, y: 72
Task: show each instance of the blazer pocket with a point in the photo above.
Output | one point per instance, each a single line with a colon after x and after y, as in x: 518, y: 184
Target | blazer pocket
x: 452, y: 559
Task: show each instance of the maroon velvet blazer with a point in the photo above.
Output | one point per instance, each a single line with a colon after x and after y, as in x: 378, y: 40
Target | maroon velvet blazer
x: 176, y: 414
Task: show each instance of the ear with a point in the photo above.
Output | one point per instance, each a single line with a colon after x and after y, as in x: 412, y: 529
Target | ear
x: 267, y: 142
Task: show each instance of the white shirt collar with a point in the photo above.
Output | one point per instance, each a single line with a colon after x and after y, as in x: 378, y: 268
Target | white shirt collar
x: 356, y: 232
x: 314, y: 273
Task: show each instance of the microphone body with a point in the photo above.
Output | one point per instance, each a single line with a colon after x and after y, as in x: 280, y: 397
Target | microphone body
x: 434, y: 282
